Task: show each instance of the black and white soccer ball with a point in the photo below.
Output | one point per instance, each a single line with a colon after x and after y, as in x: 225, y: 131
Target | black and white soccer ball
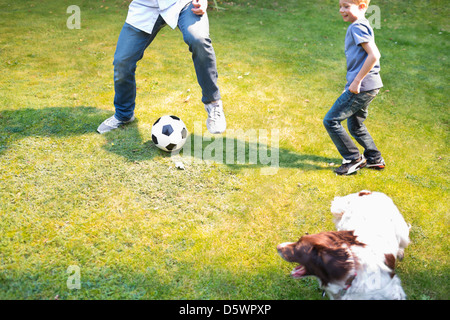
x: 169, y: 133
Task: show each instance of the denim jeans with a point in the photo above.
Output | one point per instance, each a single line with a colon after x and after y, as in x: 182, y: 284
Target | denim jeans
x: 354, y: 108
x: 132, y: 44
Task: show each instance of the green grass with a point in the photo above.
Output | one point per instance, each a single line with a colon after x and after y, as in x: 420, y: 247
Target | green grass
x: 137, y: 227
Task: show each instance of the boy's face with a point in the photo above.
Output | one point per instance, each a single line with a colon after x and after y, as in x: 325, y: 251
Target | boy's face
x: 350, y: 11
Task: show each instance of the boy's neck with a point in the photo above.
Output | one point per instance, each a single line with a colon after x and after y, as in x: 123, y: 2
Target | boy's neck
x: 363, y: 17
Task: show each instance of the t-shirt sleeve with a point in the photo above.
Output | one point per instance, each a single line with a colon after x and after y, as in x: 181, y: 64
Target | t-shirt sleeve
x: 361, y: 34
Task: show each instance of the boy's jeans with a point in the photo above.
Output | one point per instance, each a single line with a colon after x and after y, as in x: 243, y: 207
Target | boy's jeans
x: 132, y: 44
x: 354, y: 108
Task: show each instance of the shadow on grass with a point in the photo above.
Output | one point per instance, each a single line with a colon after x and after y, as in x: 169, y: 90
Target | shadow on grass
x: 250, y: 152
x: 237, y: 153
x: 47, y: 122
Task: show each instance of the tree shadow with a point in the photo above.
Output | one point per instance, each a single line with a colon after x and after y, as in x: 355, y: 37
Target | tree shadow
x: 48, y: 122
x: 237, y: 152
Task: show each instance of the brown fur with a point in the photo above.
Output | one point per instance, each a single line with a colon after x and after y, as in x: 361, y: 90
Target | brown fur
x: 390, y: 262
x: 324, y: 255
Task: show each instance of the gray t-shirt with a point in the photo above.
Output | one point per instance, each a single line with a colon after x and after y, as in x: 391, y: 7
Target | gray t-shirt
x: 359, y: 32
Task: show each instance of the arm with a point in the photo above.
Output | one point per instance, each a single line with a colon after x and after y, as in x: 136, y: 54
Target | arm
x: 200, y: 7
x: 372, y: 58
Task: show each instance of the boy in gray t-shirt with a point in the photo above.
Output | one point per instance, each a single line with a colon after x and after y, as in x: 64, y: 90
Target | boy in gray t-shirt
x: 363, y: 84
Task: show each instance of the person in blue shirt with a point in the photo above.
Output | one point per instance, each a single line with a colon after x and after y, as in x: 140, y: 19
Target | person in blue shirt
x: 144, y: 20
x: 363, y: 84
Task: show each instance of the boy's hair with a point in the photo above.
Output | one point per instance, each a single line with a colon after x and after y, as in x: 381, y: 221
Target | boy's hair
x: 361, y: 1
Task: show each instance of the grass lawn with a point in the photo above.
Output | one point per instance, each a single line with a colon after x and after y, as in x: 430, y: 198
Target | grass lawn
x: 116, y: 207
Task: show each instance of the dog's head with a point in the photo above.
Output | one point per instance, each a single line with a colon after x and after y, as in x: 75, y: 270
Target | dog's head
x: 325, y: 255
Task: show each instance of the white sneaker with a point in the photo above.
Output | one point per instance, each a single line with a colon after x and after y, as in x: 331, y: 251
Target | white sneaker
x: 112, y: 123
x: 216, y: 122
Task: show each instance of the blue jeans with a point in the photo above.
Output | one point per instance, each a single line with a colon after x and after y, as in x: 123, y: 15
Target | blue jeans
x: 354, y: 108
x: 132, y: 44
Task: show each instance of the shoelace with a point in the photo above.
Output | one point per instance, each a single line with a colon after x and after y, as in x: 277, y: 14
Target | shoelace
x: 215, y: 112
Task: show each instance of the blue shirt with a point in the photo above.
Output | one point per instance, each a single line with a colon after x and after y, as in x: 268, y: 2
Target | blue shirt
x: 359, y: 32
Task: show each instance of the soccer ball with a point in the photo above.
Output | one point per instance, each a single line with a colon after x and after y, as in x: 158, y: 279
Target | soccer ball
x: 169, y: 133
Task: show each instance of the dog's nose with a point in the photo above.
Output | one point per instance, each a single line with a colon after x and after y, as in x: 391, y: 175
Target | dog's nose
x: 281, y: 246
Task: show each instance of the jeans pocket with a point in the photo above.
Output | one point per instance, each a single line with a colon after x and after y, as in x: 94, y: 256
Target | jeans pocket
x: 363, y: 99
x: 371, y: 93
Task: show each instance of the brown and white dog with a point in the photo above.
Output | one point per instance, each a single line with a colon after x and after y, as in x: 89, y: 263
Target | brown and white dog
x: 356, y: 262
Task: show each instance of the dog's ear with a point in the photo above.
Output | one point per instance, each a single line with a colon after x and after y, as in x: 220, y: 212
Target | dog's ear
x: 334, y: 254
x: 327, y: 257
x: 336, y: 263
x: 329, y: 263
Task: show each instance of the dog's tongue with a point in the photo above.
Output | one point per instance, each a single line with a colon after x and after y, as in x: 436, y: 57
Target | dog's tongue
x: 298, y: 272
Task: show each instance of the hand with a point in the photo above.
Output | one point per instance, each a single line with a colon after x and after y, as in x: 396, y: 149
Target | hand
x: 355, y: 87
x: 200, y: 7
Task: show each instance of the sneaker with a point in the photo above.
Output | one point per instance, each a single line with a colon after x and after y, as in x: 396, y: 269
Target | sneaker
x: 351, y: 166
x: 376, y: 164
x: 111, y: 124
x: 216, y: 122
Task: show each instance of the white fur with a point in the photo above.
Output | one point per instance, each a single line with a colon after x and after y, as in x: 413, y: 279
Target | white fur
x: 376, y: 221
x: 373, y: 279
